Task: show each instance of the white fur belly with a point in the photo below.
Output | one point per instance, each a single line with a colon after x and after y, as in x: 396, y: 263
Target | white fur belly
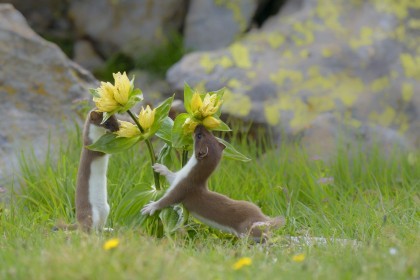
x: 214, y: 224
x: 183, y: 173
x: 98, y: 191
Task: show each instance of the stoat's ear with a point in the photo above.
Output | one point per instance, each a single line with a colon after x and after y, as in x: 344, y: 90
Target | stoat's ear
x: 222, y: 146
x: 95, y: 116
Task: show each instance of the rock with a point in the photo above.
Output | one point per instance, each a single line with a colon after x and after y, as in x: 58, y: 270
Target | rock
x: 213, y: 24
x: 85, y: 55
x: 46, y: 17
x: 355, y: 60
x: 133, y: 26
x: 154, y: 88
x: 37, y: 87
x: 326, y: 134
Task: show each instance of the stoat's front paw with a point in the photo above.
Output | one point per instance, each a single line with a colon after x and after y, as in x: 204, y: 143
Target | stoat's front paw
x: 150, y: 208
x: 161, y: 169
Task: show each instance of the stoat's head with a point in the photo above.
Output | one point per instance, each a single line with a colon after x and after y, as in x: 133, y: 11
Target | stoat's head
x: 206, y: 145
x: 111, y: 124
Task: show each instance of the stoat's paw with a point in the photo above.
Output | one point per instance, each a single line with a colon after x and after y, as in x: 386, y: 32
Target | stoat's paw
x: 107, y: 229
x: 150, y: 208
x: 161, y: 169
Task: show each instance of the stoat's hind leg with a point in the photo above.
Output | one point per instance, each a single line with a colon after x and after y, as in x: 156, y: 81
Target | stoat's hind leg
x: 164, y: 171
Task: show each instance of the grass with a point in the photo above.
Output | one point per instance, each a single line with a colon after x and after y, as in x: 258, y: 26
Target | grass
x: 371, y: 199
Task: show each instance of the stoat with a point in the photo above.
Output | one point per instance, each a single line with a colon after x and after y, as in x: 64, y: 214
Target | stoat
x: 92, y: 207
x: 189, y: 187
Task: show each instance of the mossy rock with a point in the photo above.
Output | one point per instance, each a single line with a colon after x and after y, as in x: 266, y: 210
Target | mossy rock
x: 356, y: 60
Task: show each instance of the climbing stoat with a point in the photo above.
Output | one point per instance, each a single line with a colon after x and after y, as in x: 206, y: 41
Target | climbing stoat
x: 92, y: 208
x: 189, y: 187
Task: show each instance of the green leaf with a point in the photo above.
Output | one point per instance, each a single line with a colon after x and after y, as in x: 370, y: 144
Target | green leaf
x: 231, y: 153
x: 109, y: 143
x: 188, y: 93
x: 179, y: 139
x: 165, y: 155
x: 222, y: 126
x: 165, y: 130
x: 161, y: 114
x: 172, y: 218
x: 94, y: 92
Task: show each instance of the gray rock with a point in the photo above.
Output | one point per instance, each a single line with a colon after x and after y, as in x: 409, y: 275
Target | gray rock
x: 213, y: 24
x: 45, y: 16
x: 357, y: 61
x: 37, y: 87
x: 134, y: 26
x: 85, y: 55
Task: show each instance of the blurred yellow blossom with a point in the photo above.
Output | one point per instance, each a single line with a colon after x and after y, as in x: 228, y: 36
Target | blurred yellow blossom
x: 210, y: 105
x: 196, y: 104
x: 298, y: 258
x: 111, y: 244
x: 189, y: 125
x: 122, y: 88
x: 105, y: 102
x: 146, y: 117
x: 211, y: 122
x: 241, y: 263
x: 118, y: 97
x: 202, y: 111
x: 127, y: 130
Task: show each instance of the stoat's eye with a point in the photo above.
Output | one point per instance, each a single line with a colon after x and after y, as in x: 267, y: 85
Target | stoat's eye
x: 199, y: 135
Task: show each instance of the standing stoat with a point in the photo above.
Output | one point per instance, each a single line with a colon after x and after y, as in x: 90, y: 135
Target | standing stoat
x: 189, y: 187
x: 92, y: 207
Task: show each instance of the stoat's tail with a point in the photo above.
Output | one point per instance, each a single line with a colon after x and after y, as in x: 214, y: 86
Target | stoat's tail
x: 61, y: 225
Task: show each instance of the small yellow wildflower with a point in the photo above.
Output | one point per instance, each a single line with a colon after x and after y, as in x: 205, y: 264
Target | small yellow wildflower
x: 196, y: 103
x: 127, y: 130
x: 146, y: 117
x: 106, y: 102
x: 210, y: 107
x: 111, y: 244
x: 241, y: 263
x: 189, y: 125
x: 298, y: 258
x: 211, y: 122
x: 122, y: 88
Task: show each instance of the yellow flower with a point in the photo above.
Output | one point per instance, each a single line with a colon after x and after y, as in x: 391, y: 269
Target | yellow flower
x: 196, y: 103
x: 106, y: 102
x: 241, y: 263
x: 127, y: 130
x: 298, y: 258
x: 146, y: 117
x: 211, y: 122
x: 189, y: 125
x: 122, y: 88
x: 111, y: 244
x: 210, y: 107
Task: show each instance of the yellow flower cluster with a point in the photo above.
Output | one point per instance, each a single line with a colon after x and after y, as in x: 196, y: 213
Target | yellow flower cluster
x: 111, y: 97
x: 146, y: 119
x: 202, y: 112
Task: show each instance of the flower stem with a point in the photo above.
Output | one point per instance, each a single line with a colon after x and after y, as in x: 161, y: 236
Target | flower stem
x: 149, y: 148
